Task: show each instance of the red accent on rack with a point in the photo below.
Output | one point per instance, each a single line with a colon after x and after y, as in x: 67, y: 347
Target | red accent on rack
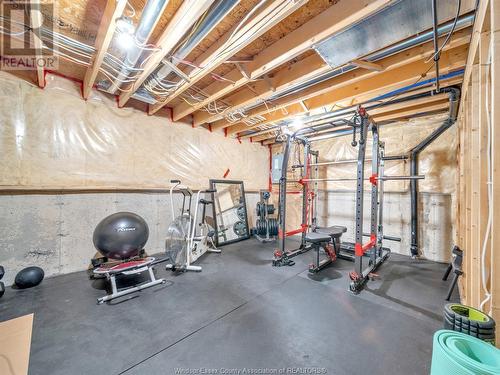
x: 374, y: 179
x: 359, y: 249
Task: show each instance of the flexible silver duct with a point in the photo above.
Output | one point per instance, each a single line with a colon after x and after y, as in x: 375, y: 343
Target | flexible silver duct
x: 216, y: 13
x: 150, y: 15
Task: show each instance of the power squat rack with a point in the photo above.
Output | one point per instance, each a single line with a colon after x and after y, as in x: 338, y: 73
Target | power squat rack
x: 372, y: 251
x: 282, y: 257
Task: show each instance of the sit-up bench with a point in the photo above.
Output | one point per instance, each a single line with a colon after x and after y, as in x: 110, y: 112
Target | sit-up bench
x: 327, y: 239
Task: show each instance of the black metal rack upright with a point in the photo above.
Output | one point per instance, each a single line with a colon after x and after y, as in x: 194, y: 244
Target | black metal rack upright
x: 377, y: 254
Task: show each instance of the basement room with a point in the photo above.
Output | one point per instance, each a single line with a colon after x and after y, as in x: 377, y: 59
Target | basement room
x: 249, y: 187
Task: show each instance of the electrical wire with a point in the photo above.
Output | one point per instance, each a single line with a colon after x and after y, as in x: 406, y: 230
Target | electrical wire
x: 452, y: 30
x: 490, y: 168
x: 5, y: 32
x: 231, y: 44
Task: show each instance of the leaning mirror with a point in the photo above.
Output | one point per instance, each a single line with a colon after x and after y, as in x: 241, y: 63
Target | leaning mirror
x: 230, y: 211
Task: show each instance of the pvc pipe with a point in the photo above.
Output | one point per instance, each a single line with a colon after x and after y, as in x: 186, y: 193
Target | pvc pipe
x: 454, y: 94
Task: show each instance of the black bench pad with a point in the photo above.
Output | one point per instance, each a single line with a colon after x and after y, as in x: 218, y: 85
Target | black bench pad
x: 334, y: 231
x: 314, y: 237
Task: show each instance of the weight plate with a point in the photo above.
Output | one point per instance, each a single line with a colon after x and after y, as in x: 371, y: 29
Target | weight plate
x: 240, y: 228
x: 242, y: 213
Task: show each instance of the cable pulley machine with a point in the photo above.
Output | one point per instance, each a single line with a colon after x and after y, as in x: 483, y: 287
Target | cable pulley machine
x: 282, y: 257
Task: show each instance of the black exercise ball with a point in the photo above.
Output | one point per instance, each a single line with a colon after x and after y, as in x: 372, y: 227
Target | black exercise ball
x: 29, y: 277
x: 121, y: 235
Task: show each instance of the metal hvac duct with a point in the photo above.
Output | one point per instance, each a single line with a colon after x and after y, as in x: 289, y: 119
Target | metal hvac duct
x: 463, y: 22
x: 216, y: 13
x: 400, y: 20
x: 149, y: 17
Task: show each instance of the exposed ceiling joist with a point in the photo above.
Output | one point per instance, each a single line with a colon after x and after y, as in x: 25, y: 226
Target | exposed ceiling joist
x: 376, y: 111
x: 301, y: 71
x: 412, y: 111
x: 113, y: 10
x: 367, y: 65
x: 188, y: 13
x: 384, y: 81
x: 36, y: 21
x: 401, y: 114
x: 228, y: 45
x: 415, y: 54
x: 297, y: 42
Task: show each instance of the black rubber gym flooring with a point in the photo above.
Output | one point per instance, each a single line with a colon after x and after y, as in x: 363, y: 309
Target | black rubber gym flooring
x: 239, y: 314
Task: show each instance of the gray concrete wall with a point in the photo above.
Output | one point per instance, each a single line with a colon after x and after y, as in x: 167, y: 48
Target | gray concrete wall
x: 54, y: 231
x: 337, y: 208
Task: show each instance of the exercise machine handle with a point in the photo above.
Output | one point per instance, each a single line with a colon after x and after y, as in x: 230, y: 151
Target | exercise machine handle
x: 210, y: 191
x: 175, y: 181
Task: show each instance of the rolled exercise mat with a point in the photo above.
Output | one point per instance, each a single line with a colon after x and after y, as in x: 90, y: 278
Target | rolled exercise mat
x: 460, y: 354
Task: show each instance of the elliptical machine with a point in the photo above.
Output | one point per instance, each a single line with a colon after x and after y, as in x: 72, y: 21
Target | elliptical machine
x: 184, y: 243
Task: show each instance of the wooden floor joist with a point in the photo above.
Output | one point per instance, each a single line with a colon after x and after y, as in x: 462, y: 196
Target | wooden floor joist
x: 393, y: 107
x: 113, y: 10
x: 188, y: 13
x: 297, y: 42
x: 395, y: 111
x: 367, y: 65
x: 265, y: 18
x: 382, y: 82
x: 414, y: 54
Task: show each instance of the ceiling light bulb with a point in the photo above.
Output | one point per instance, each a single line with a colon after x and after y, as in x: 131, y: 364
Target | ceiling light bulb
x: 125, y: 41
x: 285, y: 130
x: 125, y: 25
x: 296, y: 123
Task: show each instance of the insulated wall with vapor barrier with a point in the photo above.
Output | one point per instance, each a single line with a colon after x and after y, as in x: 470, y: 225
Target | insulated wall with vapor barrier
x: 68, y: 163
x: 52, y: 139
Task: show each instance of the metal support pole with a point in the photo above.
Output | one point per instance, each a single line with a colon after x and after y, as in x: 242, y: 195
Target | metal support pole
x: 282, y: 195
x: 380, y: 228
x: 314, y: 213
x: 375, y: 187
x: 305, y: 198
x: 334, y: 162
x: 380, y: 178
x: 454, y: 94
x: 436, y: 36
x: 358, y: 259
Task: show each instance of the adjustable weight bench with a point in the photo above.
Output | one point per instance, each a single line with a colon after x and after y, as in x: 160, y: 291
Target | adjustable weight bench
x: 329, y: 239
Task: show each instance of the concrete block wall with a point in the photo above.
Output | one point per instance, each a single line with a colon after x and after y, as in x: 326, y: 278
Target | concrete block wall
x: 54, y: 231
x: 337, y: 208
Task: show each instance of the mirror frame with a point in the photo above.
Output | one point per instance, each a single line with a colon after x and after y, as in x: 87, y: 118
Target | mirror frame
x: 213, y: 183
